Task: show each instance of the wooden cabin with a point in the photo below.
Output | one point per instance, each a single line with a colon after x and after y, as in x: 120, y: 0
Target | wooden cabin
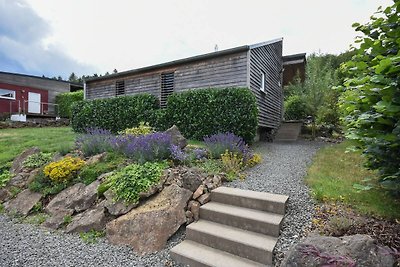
x: 258, y: 67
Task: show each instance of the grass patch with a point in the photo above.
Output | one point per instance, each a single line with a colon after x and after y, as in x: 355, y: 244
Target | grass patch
x: 92, y: 236
x: 195, y: 143
x: 36, y: 219
x: 333, y: 174
x: 48, y: 139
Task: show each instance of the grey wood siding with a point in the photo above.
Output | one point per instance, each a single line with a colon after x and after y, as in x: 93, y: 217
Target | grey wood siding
x: 267, y: 59
x: 223, y: 71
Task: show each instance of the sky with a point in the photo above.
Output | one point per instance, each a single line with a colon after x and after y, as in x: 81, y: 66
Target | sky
x: 57, y: 37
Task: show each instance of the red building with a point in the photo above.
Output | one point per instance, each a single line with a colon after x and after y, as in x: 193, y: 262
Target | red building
x: 26, y: 94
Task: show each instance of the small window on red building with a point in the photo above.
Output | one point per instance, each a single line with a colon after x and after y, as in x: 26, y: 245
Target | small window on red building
x: 7, y: 94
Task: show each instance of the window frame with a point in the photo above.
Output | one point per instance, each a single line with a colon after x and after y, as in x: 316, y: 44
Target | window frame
x: 118, y: 85
x: 166, y: 89
x: 6, y: 97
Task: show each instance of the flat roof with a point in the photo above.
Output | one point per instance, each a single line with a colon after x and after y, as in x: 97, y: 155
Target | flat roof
x: 38, y: 77
x: 185, y: 60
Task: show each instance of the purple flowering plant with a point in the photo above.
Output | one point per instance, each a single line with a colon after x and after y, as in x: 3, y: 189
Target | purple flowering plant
x: 219, y: 143
x: 94, y: 141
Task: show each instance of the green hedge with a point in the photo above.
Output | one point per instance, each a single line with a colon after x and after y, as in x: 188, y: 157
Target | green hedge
x: 197, y: 113
x: 114, y: 114
x: 65, y: 101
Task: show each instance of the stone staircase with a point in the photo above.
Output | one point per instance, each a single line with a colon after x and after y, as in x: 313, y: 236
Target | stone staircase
x: 237, y: 228
x: 288, y: 131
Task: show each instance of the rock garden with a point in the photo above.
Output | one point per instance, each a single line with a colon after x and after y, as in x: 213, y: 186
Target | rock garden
x: 135, y: 188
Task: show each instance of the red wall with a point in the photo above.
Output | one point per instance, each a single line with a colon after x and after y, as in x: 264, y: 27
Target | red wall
x: 21, y: 95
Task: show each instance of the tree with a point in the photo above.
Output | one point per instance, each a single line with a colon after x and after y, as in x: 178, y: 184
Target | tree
x: 73, y: 78
x: 371, y: 98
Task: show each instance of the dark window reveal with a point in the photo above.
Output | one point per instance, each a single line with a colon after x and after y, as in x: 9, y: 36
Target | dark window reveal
x: 119, y: 88
x: 167, y: 87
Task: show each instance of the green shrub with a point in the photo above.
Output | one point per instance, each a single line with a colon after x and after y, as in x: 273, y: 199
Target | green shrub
x: 65, y: 101
x: 114, y: 114
x: 143, y: 129
x: 45, y: 186
x: 5, y: 176
x: 295, y: 108
x: 135, y: 178
x: 92, y: 236
x: 37, y: 160
x: 199, y: 113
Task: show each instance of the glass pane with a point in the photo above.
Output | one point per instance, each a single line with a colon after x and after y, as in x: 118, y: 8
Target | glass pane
x: 7, y: 93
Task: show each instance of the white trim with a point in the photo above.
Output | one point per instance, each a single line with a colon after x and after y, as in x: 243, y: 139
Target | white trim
x: 6, y: 97
x: 262, y: 87
x: 294, y: 62
x: 84, y: 90
x: 266, y: 43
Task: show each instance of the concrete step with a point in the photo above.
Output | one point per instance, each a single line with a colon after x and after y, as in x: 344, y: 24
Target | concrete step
x: 197, y: 255
x: 247, y: 219
x: 246, y: 244
x: 250, y: 199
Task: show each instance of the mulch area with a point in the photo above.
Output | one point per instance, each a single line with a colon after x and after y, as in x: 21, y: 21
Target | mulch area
x: 335, y: 219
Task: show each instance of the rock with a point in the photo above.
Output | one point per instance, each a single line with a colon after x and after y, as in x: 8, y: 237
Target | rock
x: 23, y: 203
x: 95, y: 159
x: 189, y: 217
x: 147, y: 228
x: 203, y: 199
x: 20, y: 180
x: 17, y: 164
x: 77, y: 197
x: 177, y: 137
x: 210, y: 186
x: 104, y: 176
x: 194, y: 207
x: 57, y: 220
x: 359, y: 250
x: 198, y: 192
x: 191, y: 179
x: 117, y: 208
x: 5, y: 194
x: 91, y: 219
x: 216, y: 181
x: 154, y: 189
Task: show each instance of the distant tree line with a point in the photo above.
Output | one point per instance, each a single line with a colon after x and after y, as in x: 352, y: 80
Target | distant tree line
x: 76, y: 79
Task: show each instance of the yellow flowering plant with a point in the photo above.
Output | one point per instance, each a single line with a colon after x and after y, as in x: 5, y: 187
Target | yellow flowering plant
x: 64, y: 169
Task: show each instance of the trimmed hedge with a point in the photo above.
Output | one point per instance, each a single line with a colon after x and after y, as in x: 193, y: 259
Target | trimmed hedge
x: 65, y: 101
x: 197, y: 113
x: 114, y: 114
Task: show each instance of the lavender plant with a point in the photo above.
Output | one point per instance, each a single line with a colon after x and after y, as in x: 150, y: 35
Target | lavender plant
x: 219, y: 143
x: 94, y: 141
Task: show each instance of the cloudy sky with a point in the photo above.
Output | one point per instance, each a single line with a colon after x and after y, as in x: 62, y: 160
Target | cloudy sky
x: 57, y: 37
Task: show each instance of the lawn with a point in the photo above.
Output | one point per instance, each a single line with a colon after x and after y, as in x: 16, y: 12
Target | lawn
x: 333, y: 174
x: 50, y: 139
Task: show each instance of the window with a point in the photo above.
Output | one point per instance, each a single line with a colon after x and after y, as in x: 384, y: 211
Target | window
x: 262, y: 82
x: 167, y: 87
x: 7, y: 94
x: 119, y: 88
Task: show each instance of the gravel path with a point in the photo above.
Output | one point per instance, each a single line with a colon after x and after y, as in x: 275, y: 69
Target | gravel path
x: 282, y: 170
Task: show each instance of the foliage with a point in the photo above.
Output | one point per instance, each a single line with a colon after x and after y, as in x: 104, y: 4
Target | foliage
x: 63, y: 170
x: 219, y: 143
x: 333, y: 173
x: 135, y: 178
x: 187, y: 156
x: 47, y: 187
x: 210, y: 166
x: 295, y: 108
x: 67, y: 219
x: 36, y: 219
x: 37, y: 207
x: 5, y: 176
x: 254, y: 160
x: 65, y: 101
x: 91, y: 236
x: 89, y: 173
x: 48, y: 139
x: 142, y: 129
x: 94, y: 141
x: 371, y: 98
x: 37, y: 160
x: 199, y: 113
x: 113, y: 114
x: 1, y: 208
x: 232, y: 164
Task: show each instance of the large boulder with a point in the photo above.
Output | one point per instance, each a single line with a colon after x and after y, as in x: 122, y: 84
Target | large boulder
x: 117, y: 208
x: 147, y: 228
x: 177, y: 138
x: 17, y: 164
x: 91, y: 219
x: 23, y: 202
x: 58, y: 219
x: 77, y: 197
x: 355, y: 250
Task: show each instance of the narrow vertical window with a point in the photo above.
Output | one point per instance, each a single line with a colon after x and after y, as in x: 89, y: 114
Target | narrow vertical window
x: 119, y: 88
x: 167, y: 87
x: 262, y: 82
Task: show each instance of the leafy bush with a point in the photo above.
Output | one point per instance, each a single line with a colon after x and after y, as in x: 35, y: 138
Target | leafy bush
x: 5, y: 176
x: 37, y: 160
x: 199, y: 113
x: 47, y: 187
x: 133, y: 179
x: 64, y: 169
x: 254, y: 160
x: 142, y: 129
x: 65, y: 101
x: 295, y: 108
x: 219, y: 143
x: 113, y: 114
x: 94, y: 141
x: 92, y: 236
x: 232, y: 164
x: 187, y: 156
x: 371, y: 99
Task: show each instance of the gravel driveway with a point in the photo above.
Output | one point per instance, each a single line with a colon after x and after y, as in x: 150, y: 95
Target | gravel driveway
x: 282, y: 170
